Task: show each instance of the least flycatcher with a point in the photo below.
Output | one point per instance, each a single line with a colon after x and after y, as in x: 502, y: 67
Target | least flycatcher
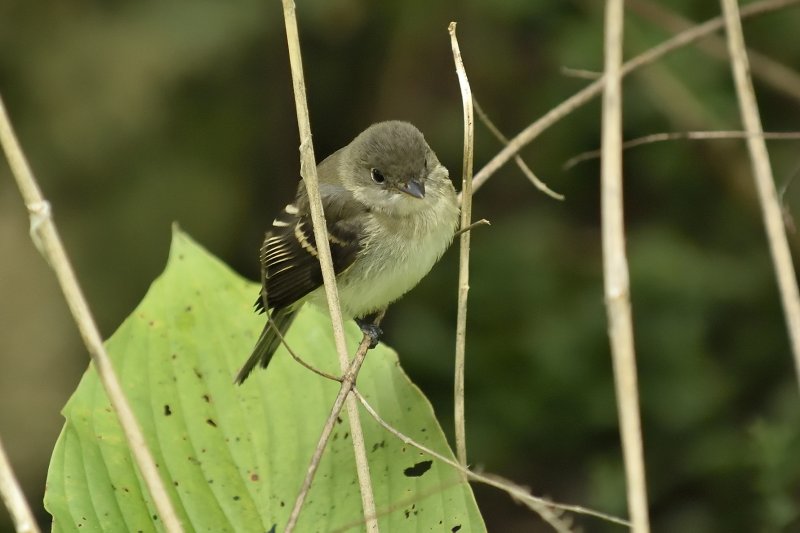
x: 391, y: 211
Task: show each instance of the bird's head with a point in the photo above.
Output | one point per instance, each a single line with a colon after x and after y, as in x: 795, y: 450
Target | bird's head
x: 391, y: 168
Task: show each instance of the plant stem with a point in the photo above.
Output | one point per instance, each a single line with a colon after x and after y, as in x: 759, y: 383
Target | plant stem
x: 308, y: 169
x: 47, y: 241
x: 463, y: 265
x: 762, y: 173
x: 615, y: 272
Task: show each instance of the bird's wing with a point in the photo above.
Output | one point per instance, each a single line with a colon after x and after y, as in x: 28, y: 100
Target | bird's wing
x: 289, y: 262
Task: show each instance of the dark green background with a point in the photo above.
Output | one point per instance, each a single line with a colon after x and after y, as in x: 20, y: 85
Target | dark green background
x: 135, y: 114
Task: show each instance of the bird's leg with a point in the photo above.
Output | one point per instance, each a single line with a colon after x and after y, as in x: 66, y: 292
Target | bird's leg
x: 370, y: 328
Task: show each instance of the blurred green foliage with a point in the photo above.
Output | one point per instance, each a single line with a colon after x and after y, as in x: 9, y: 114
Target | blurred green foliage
x: 135, y: 114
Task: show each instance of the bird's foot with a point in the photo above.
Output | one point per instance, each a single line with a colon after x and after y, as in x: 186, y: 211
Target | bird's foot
x: 373, y: 331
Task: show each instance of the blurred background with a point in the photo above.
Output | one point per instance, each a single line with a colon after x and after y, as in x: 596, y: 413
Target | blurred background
x: 138, y: 114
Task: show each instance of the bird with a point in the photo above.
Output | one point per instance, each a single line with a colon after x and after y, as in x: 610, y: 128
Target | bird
x: 391, y: 212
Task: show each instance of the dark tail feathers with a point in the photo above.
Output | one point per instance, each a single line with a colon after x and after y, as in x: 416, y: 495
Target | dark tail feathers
x: 268, y: 341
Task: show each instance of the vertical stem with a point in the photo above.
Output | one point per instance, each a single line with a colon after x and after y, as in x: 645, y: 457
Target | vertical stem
x: 762, y: 173
x: 615, y: 272
x: 47, y: 241
x: 308, y: 169
x: 463, y: 266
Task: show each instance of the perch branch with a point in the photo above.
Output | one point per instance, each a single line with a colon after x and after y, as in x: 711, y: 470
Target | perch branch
x: 348, y: 381
x: 48, y: 242
x: 615, y: 271
x: 308, y: 170
x: 762, y: 173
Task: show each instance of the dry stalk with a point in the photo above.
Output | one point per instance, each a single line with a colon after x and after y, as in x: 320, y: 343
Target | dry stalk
x: 615, y: 272
x: 539, y: 184
x: 463, y: 264
x: 762, y: 173
x: 347, y: 384
x: 14, y: 498
x: 583, y: 96
x: 308, y: 170
x: 47, y: 241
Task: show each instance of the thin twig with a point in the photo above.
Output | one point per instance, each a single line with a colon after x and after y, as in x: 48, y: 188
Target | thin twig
x: 540, y: 507
x: 768, y: 70
x: 14, y: 498
x: 539, y: 184
x: 536, y: 504
x: 581, y: 73
x: 348, y: 381
x: 308, y: 170
x: 593, y: 89
x: 463, y: 264
x: 398, y: 504
x: 615, y: 272
x: 788, y: 219
x: 668, y: 89
x: 681, y: 135
x: 762, y: 173
x: 477, y: 223
x: 296, y: 357
x: 46, y: 238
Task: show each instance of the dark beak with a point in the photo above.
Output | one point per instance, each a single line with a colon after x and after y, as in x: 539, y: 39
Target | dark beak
x: 413, y: 188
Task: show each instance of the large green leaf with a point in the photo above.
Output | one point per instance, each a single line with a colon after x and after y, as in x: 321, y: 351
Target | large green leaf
x: 233, y: 457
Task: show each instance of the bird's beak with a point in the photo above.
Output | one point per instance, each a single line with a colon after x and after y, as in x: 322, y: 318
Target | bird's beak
x: 413, y: 188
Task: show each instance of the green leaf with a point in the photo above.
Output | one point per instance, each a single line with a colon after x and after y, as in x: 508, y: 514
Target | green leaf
x: 233, y: 457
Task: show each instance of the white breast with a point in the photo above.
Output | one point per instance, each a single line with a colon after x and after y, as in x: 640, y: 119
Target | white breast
x: 396, y: 256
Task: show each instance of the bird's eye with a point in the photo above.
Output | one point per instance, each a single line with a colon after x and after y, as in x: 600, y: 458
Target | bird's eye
x: 377, y: 176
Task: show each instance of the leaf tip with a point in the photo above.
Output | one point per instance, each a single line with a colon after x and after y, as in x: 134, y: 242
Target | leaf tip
x: 180, y: 241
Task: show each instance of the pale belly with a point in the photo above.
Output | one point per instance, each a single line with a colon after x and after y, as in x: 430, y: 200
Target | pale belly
x: 387, y: 269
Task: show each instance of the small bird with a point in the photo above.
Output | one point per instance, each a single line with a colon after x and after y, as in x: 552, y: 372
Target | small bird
x: 391, y: 212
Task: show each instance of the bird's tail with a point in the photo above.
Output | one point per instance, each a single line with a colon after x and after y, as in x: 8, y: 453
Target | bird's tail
x: 268, y: 341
